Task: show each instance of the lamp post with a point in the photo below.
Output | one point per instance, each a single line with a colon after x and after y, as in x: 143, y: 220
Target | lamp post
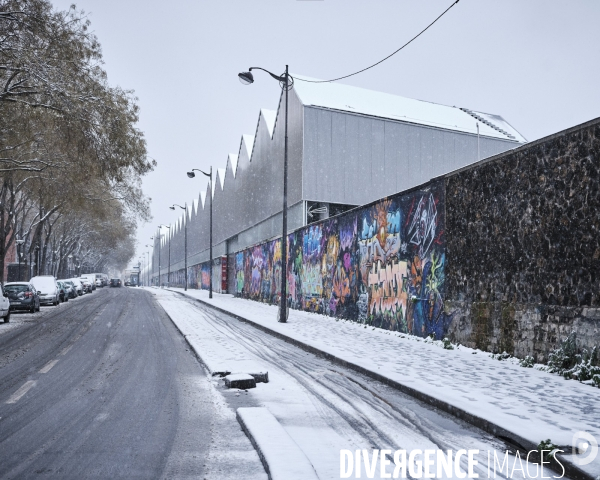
x: 286, y: 82
x: 148, y: 266
x: 172, y: 207
x: 159, y: 238
x: 148, y: 252
x: 191, y: 174
x: 37, y: 259
x: 141, y: 262
x: 152, y: 246
x: 70, y: 257
x: 19, y: 242
x: 169, y: 266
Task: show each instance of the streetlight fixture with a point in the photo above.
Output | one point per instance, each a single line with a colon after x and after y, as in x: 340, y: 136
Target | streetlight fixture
x: 169, y: 267
x: 140, y: 278
x: 159, y: 239
x: 19, y: 242
x: 286, y: 82
x: 191, y: 174
x: 172, y: 207
x: 148, y: 266
x: 152, y: 247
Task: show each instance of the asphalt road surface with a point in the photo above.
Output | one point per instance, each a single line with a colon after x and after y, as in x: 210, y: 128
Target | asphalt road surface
x: 104, y: 386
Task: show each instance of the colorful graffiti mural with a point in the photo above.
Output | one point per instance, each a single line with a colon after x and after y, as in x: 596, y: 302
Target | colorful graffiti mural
x: 381, y: 265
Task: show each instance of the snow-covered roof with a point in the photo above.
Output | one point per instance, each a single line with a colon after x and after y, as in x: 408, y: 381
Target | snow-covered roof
x: 338, y: 96
x: 270, y: 117
x: 221, y: 174
x: 248, y: 142
x: 233, y: 159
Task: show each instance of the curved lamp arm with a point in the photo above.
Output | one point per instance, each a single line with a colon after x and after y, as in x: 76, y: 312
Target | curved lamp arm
x: 191, y: 173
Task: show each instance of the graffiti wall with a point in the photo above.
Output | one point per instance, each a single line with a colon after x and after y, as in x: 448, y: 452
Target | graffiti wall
x: 381, y: 265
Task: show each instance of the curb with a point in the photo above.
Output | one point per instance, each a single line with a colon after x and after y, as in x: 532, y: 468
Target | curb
x: 281, y: 457
x: 570, y: 470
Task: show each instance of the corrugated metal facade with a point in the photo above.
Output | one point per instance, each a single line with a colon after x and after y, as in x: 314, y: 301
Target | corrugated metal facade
x: 355, y: 159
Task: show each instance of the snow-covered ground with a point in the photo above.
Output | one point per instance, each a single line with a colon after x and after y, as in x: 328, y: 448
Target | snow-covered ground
x: 21, y: 318
x: 326, y: 408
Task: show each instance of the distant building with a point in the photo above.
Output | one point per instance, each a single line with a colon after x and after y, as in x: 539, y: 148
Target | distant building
x: 348, y: 146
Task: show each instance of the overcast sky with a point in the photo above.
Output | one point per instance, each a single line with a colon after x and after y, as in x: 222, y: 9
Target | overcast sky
x: 535, y: 62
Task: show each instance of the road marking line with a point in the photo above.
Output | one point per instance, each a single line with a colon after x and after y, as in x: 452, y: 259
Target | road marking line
x: 21, y: 391
x: 65, y: 350
x: 48, y: 366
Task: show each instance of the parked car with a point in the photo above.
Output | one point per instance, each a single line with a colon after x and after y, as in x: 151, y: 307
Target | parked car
x: 71, y: 290
x: 115, y: 282
x: 102, y: 277
x: 62, y: 291
x: 87, y: 285
x: 4, y: 305
x: 90, y: 277
x: 78, y: 285
x: 22, y: 296
x: 47, y: 289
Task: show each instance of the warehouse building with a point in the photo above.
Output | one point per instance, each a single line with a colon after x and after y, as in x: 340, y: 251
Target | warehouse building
x: 348, y: 146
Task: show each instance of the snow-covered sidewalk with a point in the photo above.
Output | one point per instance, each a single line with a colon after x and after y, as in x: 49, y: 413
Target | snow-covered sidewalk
x: 531, y: 404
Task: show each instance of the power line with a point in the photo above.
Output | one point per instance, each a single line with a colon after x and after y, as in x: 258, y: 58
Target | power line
x: 389, y: 56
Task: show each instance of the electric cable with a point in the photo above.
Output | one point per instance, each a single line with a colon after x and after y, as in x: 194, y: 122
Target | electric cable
x: 389, y: 56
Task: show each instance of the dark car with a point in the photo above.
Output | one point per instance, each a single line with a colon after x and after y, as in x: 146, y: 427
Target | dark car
x: 62, y: 291
x: 22, y: 296
x: 70, y: 289
x: 115, y: 282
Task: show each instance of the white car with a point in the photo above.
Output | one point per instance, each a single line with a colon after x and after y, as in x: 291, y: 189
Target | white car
x: 87, y: 285
x: 90, y: 278
x: 78, y: 286
x: 4, y: 305
x: 47, y: 289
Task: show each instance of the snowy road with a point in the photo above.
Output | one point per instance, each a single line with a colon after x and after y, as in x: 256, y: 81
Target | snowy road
x: 325, y: 407
x: 104, y: 386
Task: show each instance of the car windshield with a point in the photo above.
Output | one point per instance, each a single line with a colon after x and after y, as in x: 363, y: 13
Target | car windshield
x: 16, y: 288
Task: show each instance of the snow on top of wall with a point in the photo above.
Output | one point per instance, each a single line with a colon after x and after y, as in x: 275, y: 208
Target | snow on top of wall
x: 347, y: 98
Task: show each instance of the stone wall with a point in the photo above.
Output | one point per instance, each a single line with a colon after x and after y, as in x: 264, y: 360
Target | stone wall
x: 523, y: 246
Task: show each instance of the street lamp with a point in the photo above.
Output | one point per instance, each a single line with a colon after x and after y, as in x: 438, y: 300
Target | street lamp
x: 286, y: 82
x: 140, y: 278
x: 152, y: 247
x: 169, y: 267
x: 70, y: 257
x: 191, y: 174
x: 19, y: 242
x: 172, y: 207
x: 148, y: 266
x: 159, y: 239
